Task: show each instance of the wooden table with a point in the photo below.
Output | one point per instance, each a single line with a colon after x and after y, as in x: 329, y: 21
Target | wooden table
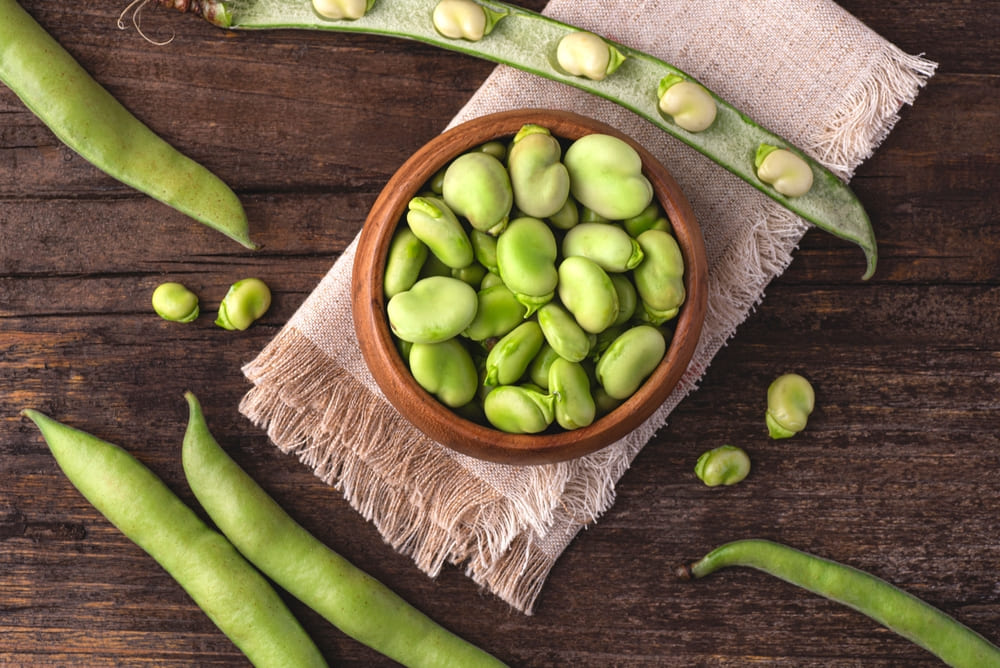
x: 899, y: 473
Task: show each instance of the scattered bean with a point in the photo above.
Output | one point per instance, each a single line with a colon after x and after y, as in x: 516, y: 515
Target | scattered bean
x: 174, y: 302
x: 724, y: 465
x: 900, y: 612
x: 606, y: 176
x: 228, y: 589
x: 790, y: 401
x: 246, y: 302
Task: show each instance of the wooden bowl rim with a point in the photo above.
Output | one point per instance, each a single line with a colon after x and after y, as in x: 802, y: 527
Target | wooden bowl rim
x: 419, y: 407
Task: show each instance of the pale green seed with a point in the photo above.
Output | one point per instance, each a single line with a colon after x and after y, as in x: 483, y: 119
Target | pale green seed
x: 434, y: 309
x: 435, y: 224
x: 563, y: 333
x: 790, y: 402
x: 609, y: 246
x: 498, y: 313
x: 246, y: 301
x: 725, y: 465
x: 477, y: 186
x: 519, y: 410
x: 569, y: 384
x: 509, y: 358
x: 403, y: 262
x: 587, y: 292
x: 445, y: 370
x: 539, y: 179
x: 526, y: 257
x: 606, y: 176
x: 629, y: 360
x: 174, y: 302
x: 659, y: 279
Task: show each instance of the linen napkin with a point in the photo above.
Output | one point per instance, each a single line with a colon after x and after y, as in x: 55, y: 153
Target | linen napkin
x: 805, y: 69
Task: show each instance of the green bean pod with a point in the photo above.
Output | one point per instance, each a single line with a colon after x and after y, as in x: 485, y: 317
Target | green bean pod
x: 948, y: 639
x: 88, y: 119
x: 350, y: 599
x: 228, y: 589
x: 525, y: 40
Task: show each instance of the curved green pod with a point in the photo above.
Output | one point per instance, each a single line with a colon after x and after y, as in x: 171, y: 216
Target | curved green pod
x: 527, y: 41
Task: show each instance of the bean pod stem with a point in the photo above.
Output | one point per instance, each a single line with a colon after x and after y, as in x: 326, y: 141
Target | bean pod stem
x: 901, y: 612
x: 526, y: 40
x: 88, y: 119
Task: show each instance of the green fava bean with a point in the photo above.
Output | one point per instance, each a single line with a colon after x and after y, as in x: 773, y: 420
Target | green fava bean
x: 490, y: 280
x: 606, y: 176
x: 484, y: 248
x: 563, y: 332
x: 403, y: 262
x: 566, y: 217
x: 246, y: 301
x: 629, y: 360
x: 651, y: 218
x: 609, y: 246
x: 464, y: 19
x: 433, y: 310
x: 628, y: 298
x: 790, y: 401
x: 569, y: 383
x: 477, y: 186
x: 446, y: 370
x: 174, y: 302
x: 659, y: 280
x: 498, y: 312
x: 725, y: 465
x: 436, y: 225
x: 588, y: 293
x: 519, y: 410
x: 539, y: 179
x: 538, y: 370
x: 433, y: 266
x: 339, y: 10
x: 472, y: 274
x: 509, y: 358
x: 526, y: 258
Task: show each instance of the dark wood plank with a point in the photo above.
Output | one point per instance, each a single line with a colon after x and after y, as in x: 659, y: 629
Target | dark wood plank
x: 896, y: 473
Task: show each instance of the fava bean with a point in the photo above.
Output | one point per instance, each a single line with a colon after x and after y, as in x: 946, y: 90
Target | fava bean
x: 584, y: 54
x: 606, y: 176
x: 539, y: 179
x: 785, y: 171
x: 464, y: 19
x: 659, y: 280
x: 436, y: 225
x: 790, y: 401
x: 724, y: 465
x: 433, y: 310
x: 498, y: 312
x: 403, y: 262
x: 526, y: 257
x: 229, y: 590
x: 538, y: 370
x: 477, y: 186
x: 519, y: 410
x: 433, y: 266
x: 246, y: 302
x: 689, y: 104
x: 567, y: 216
x: 472, y: 274
x: 628, y: 298
x: 174, y: 302
x: 588, y: 293
x: 490, y: 280
x: 629, y: 360
x: 342, y: 9
x: 651, y: 218
x: 569, y: 384
x: 609, y: 246
x: 484, y: 248
x: 563, y: 333
x: 347, y: 597
x: 445, y: 370
x: 509, y: 358
x: 900, y: 612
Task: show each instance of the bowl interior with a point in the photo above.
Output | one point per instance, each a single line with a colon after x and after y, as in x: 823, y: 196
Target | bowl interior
x: 390, y: 370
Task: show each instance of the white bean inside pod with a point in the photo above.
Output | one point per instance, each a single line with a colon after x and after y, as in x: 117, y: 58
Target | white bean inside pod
x: 783, y: 170
x: 689, y: 104
x: 464, y: 19
x: 584, y: 54
x: 342, y: 9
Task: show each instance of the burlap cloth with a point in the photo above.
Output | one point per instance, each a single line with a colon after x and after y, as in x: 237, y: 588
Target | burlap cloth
x: 804, y: 68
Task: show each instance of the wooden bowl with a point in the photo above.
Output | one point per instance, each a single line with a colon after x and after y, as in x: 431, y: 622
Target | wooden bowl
x: 390, y: 370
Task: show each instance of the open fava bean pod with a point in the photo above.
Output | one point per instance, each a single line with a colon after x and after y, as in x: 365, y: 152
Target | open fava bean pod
x: 655, y: 90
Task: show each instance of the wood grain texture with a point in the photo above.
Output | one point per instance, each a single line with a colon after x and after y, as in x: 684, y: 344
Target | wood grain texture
x: 896, y: 474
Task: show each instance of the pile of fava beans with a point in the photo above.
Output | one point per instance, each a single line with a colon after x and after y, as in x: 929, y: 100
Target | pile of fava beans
x: 534, y: 282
